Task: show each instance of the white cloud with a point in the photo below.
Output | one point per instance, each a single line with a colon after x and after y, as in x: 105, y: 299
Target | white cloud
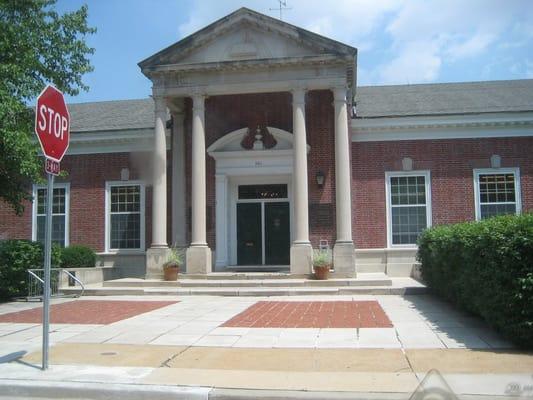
x: 419, y: 37
x: 417, y: 62
x: 347, y: 20
x: 428, y: 34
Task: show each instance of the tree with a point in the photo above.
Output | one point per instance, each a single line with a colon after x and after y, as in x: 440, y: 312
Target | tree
x: 37, y: 46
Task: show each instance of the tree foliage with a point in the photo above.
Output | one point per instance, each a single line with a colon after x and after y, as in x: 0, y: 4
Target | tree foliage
x: 37, y: 46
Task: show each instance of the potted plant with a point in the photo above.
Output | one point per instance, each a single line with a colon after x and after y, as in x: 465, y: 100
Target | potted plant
x: 172, y: 266
x: 321, y: 264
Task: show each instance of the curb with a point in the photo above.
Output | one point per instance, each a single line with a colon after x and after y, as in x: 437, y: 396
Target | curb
x: 22, y: 389
x: 13, y: 389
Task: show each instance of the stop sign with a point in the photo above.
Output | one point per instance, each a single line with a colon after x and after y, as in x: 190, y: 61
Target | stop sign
x: 52, y: 123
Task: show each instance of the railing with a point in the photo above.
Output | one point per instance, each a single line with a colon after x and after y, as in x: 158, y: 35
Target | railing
x: 36, y: 283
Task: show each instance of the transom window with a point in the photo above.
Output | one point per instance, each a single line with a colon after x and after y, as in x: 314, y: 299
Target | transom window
x: 248, y: 192
x: 408, y: 206
x: 497, y: 192
x: 59, y: 214
x: 125, y: 219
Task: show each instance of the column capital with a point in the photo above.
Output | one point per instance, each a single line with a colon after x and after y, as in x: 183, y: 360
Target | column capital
x: 198, y: 101
x: 339, y: 94
x: 160, y: 104
x: 298, y: 95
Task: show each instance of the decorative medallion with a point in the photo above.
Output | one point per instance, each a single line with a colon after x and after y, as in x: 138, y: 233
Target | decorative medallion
x: 258, y: 139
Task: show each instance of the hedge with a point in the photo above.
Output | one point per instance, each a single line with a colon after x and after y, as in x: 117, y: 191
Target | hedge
x: 485, y: 268
x: 77, y: 256
x: 17, y: 256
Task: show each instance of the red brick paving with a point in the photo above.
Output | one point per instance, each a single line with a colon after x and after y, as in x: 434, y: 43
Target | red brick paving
x: 312, y: 314
x: 86, y: 312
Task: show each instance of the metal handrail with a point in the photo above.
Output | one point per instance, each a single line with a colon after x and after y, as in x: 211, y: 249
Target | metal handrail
x: 36, y: 283
x: 36, y: 277
x: 77, y: 280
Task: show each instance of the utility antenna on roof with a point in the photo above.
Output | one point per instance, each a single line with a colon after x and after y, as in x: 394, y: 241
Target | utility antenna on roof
x: 282, y: 7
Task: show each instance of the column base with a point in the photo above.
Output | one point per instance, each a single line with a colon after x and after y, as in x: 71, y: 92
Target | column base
x: 198, y: 260
x: 301, y: 259
x: 344, y: 259
x: 155, y: 258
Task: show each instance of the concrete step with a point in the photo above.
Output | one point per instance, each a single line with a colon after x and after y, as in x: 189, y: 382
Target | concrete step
x: 398, y: 286
x: 374, y: 279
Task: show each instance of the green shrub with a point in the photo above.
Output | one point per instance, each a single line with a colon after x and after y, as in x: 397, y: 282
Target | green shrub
x: 485, y: 268
x: 16, y: 257
x: 77, y: 256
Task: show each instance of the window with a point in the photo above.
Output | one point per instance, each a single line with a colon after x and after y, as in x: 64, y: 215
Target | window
x: 124, y: 216
x: 408, y: 206
x: 497, y: 192
x: 60, y: 207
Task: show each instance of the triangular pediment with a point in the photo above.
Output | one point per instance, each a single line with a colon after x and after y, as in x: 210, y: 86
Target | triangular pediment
x: 247, y: 35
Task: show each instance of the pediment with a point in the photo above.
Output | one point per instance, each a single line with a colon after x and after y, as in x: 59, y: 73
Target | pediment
x: 246, y: 35
x: 244, y: 42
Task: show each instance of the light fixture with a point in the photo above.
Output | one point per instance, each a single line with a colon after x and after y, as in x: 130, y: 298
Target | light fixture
x: 320, y: 177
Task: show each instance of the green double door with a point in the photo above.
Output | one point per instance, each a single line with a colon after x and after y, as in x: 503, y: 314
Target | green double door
x: 263, y: 233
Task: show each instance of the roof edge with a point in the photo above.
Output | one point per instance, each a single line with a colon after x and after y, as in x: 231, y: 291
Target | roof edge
x: 348, y: 50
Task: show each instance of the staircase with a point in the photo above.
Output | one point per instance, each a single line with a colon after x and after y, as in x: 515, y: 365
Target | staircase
x: 254, y: 284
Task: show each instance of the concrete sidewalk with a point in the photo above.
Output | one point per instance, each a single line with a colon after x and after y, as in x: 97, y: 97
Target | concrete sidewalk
x: 183, y: 351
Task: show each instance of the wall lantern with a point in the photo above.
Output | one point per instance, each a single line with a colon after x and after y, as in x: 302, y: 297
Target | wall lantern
x: 320, y: 177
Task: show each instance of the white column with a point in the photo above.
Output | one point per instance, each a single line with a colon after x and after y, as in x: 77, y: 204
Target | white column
x: 178, y: 181
x: 198, y: 254
x: 159, y: 193
x: 221, y: 251
x: 157, y: 254
x: 198, y: 200
x: 343, y: 252
x: 301, y: 250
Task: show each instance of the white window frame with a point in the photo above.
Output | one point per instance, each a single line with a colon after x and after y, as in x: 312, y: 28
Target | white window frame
x: 65, y: 186
x: 108, y: 186
x: 497, y: 171
x: 390, y: 174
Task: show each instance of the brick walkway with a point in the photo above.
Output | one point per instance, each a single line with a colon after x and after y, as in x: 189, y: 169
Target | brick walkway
x: 86, y: 312
x: 312, y: 314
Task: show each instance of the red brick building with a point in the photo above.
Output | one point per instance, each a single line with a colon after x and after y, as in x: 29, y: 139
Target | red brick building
x: 258, y: 146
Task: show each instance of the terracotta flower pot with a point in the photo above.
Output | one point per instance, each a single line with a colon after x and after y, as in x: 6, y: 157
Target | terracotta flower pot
x: 322, y: 272
x: 170, y: 272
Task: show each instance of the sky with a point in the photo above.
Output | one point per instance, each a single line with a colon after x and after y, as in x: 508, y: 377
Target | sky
x: 398, y: 41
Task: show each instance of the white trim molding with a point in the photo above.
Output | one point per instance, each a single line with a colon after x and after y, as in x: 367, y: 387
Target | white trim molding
x: 65, y: 186
x: 108, y: 186
x: 236, y: 166
x: 427, y: 181
x: 497, y: 171
x: 117, y: 141
x: 442, y: 127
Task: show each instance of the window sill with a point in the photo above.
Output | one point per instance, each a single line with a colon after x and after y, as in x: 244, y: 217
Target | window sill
x: 122, y: 253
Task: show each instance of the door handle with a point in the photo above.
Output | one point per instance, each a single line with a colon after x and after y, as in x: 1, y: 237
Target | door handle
x: 249, y: 244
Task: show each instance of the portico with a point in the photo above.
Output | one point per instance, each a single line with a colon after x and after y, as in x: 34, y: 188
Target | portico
x: 246, y: 53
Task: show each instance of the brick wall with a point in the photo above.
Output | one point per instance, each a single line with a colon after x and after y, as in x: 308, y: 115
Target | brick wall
x: 87, y: 175
x: 451, y: 163
x: 13, y: 226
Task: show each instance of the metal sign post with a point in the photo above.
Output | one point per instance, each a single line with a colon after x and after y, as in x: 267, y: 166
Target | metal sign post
x: 52, y: 127
x: 47, y: 266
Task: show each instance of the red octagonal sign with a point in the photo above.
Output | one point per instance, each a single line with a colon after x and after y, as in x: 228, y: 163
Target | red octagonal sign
x: 52, y: 123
